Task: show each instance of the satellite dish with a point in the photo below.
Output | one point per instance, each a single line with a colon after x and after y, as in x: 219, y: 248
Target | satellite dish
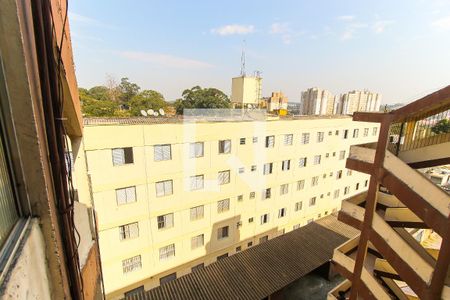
x: 144, y: 113
x: 155, y: 114
x: 161, y: 112
x: 150, y: 112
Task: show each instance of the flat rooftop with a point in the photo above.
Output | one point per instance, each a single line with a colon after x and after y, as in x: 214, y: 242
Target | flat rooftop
x: 88, y: 121
x: 263, y: 269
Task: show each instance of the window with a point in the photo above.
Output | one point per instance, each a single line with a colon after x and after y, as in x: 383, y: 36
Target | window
x: 317, y: 159
x: 324, y: 176
x: 341, y: 154
x: 263, y: 239
x: 319, y: 216
x: 345, y: 134
x: 300, y: 185
x: 346, y: 190
x: 222, y: 256
x: 296, y: 227
x: 197, y: 212
x: 337, y: 132
x: 224, y: 177
x: 223, y: 205
x: 285, y: 165
x: 339, y: 174
x: 168, y: 278
x: 288, y: 138
x: 374, y: 131
x: 242, y: 141
x: 196, y: 149
x: 131, y: 264
x: 197, y: 241
x: 162, y: 152
x: 349, y: 172
x: 336, y: 194
x: 281, y: 212
x: 240, y: 197
x: 321, y: 196
x: 366, y: 131
x: 331, y: 174
x: 238, y: 248
x: 122, y: 156
x: 298, y: 206
x: 196, y: 182
x: 134, y: 291
x: 302, y: 162
x: 357, y: 186
x: 167, y: 252
x: 250, y: 220
x: 284, y: 189
x: 355, y: 133
x: 305, y: 138
x: 164, y: 188
x: 330, y: 132
x: 241, y: 170
x: 165, y: 221
x: 320, y: 136
x: 126, y: 195
x: 197, y: 267
x: 366, y: 183
x: 255, y: 139
x: 129, y: 231
x: 270, y: 141
x: 267, y: 193
x: 264, y: 219
x: 267, y: 168
x: 249, y: 244
x: 253, y: 168
x: 222, y: 232
x: 252, y: 195
x: 224, y: 146
x: 315, y: 181
x: 312, y: 201
x: 327, y: 155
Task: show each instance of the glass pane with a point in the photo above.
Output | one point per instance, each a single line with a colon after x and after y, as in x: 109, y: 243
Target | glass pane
x: 8, y: 210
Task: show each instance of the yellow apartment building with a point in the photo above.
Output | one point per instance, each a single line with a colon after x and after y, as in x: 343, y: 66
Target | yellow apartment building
x: 173, y: 196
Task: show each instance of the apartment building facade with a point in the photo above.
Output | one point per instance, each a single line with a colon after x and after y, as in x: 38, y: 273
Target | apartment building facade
x: 316, y: 101
x: 359, y: 101
x: 171, y: 197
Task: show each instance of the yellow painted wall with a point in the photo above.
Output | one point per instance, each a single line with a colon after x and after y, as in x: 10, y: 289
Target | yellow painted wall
x: 144, y: 172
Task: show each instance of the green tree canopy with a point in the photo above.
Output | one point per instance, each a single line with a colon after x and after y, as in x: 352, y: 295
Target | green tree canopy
x: 197, y: 97
x: 96, y: 108
x: 147, y: 99
x: 127, y: 90
x: 443, y: 126
x: 99, y: 92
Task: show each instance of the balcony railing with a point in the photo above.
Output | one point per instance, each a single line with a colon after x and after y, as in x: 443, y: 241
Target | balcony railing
x: 419, y: 132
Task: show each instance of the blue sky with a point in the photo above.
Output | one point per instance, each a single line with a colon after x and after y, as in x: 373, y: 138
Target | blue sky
x: 400, y: 49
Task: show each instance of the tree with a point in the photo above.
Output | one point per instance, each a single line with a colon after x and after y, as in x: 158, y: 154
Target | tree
x: 99, y: 92
x: 197, y: 97
x: 127, y: 90
x: 443, y: 126
x: 145, y: 100
x: 96, y: 108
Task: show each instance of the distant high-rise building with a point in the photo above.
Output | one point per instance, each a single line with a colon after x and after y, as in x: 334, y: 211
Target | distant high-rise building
x: 359, y: 101
x: 246, y: 90
x: 277, y: 101
x: 316, y: 101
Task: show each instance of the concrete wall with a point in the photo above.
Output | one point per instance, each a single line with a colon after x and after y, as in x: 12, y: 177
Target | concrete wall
x: 28, y: 278
x: 144, y: 172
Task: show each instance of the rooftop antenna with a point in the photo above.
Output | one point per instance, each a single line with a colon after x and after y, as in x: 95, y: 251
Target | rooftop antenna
x: 243, y: 59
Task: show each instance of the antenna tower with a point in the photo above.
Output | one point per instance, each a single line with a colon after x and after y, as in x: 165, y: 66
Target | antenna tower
x: 243, y: 59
